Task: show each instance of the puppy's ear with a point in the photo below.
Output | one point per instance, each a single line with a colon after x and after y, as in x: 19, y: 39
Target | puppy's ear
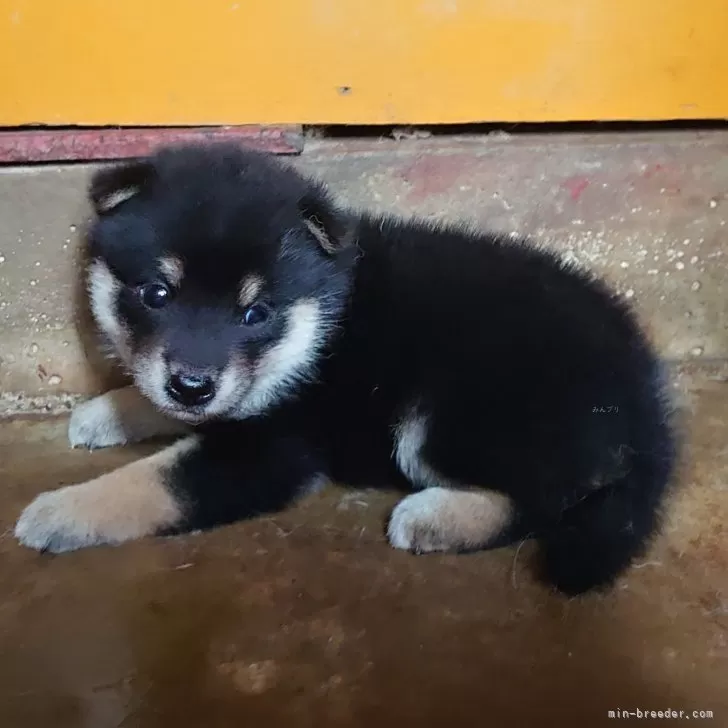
x: 325, y: 223
x: 113, y: 186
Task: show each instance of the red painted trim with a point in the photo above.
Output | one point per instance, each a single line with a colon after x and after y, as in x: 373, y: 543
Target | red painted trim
x: 78, y: 145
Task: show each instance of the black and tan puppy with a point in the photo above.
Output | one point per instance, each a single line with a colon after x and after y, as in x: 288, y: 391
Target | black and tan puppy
x: 290, y: 342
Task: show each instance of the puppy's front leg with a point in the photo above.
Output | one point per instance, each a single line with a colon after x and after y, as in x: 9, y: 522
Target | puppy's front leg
x: 128, y: 503
x: 118, y: 417
x: 199, y: 482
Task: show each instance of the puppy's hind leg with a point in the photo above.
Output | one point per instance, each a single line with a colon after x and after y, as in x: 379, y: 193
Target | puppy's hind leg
x: 118, y: 417
x: 443, y: 516
x: 446, y: 519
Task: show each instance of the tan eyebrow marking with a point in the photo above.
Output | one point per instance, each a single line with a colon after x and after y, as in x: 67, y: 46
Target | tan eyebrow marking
x: 250, y: 289
x: 172, y: 269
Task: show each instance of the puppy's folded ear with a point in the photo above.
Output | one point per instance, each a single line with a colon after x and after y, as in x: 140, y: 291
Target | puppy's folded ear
x: 113, y: 186
x: 326, y: 224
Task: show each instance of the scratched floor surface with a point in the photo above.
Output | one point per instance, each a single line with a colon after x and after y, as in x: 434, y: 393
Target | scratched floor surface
x: 310, y: 619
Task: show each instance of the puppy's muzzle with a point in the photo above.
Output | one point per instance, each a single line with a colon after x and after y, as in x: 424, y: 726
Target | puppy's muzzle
x: 190, y: 388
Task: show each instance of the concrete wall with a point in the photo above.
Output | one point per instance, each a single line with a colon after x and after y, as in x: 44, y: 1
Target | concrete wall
x: 647, y: 211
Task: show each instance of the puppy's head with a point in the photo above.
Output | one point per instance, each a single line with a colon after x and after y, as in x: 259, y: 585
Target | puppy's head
x: 217, y: 275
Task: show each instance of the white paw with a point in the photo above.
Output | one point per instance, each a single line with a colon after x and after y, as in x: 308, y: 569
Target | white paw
x: 117, y: 418
x: 54, y: 522
x: 414, y: 523
x: 443, y: 519
x: 97, y: 423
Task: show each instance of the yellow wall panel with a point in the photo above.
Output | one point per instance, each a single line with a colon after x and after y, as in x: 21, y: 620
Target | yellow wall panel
x: 141, y: 62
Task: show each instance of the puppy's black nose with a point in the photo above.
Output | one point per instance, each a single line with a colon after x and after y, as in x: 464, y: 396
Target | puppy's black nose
x: 190, y: 389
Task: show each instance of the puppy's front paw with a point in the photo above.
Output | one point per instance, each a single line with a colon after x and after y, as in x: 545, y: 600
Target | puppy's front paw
x: 128, y: 503
x: 97, y: 423
x: 117, y: 418
x: 58, y: 521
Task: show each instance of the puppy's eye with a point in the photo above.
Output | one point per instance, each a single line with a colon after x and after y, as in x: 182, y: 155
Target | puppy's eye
x: 155, y: 295
x: 255, y: 315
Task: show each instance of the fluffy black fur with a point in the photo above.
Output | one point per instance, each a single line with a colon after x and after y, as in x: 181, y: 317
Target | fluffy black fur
x: 536, y: 380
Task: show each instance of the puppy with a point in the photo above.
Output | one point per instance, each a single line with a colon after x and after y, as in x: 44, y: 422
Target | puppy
x: 288, y: 341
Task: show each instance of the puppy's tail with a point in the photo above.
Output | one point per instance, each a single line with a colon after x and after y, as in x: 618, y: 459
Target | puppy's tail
x: 597, y: 539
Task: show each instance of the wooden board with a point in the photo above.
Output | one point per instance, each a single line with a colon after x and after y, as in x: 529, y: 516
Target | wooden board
x: 187, y: 62
x: 76, y: 145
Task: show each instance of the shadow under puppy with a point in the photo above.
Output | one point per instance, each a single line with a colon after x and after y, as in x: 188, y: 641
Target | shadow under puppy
x: 289, y: 341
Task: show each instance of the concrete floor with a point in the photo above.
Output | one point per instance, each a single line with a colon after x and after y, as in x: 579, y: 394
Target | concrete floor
x: 309, y: 618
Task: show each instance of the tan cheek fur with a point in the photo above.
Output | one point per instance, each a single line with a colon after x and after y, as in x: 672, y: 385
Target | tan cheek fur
x: 103, y: 289
x: 125, y: 504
